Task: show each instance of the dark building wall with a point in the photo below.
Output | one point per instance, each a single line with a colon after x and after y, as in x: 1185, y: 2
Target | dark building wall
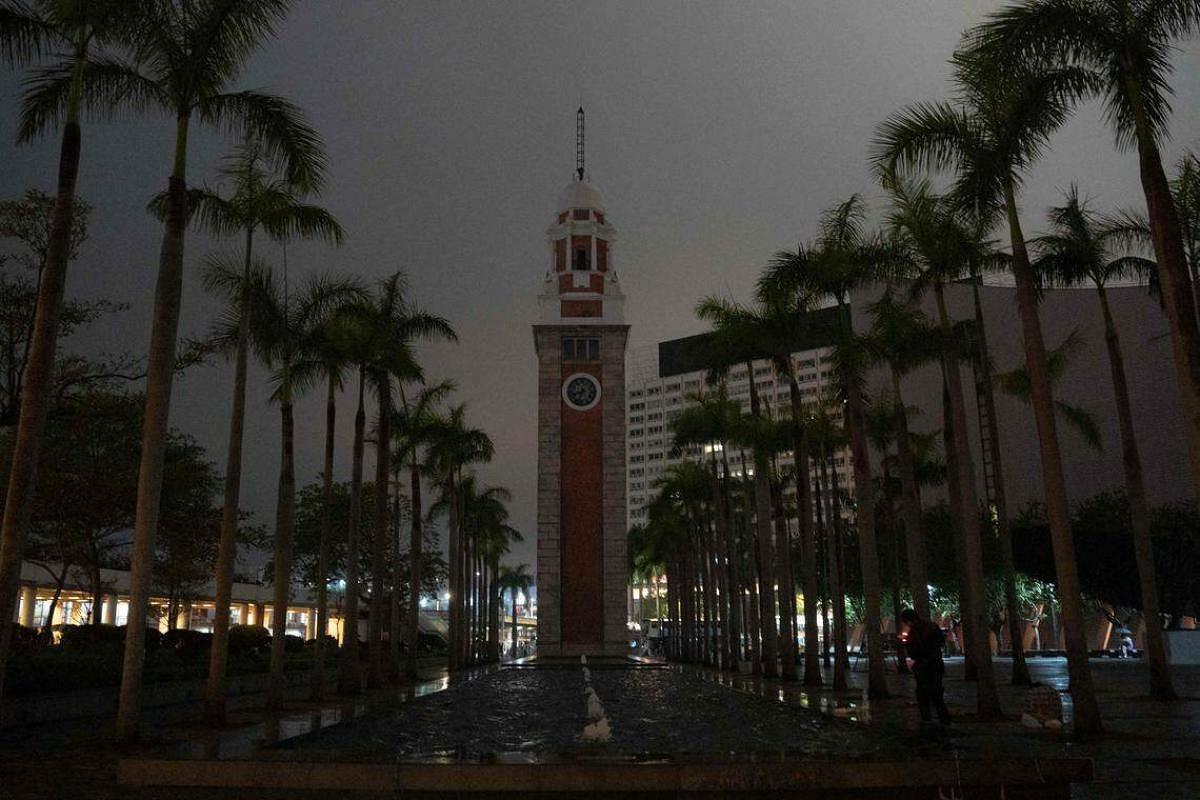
x: 1154, y: 392
x: 700, y: 352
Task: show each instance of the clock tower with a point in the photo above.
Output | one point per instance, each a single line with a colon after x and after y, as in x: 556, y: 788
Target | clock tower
x: 580, y: 340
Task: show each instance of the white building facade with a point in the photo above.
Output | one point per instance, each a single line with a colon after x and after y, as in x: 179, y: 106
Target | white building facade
x: 663, y: 380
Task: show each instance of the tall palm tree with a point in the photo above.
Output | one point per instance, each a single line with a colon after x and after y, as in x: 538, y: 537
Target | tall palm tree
x: 736, y: 328
x: 1078, y: 250
x: 784, y: 322
x: 358, y: 337
x: 454, y: 446
x: 901, y: 336
x: 989, y: 139
x: 259, y: 201
x: 936, y: 244
x: 847, y: 256
x: 828, y: 437
x: 1126, y: 47
x: 188, y: 53
x: 993, y: 468
x: 281, y: 331
x: 329, y: 354
x: 78, y: 34
x: 413, y: 423
x: 1185, y: 188
x: 711, y: 422
x: 397, y: 323
x: 515, y: 580
x: 482, y: 515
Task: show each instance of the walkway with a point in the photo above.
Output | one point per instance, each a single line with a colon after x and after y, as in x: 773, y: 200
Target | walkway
x: 1151, y: 750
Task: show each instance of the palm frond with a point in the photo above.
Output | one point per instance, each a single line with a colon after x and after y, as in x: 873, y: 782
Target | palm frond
x: 287, y: 138
x: 1081, y: 421
x: 25, y: 35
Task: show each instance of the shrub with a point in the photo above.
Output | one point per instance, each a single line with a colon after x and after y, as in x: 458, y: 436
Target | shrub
x: 91, y: 636
x: 187, y: 640
x: 293, y: 644
x: 248, y: 639
x: 24, y: 640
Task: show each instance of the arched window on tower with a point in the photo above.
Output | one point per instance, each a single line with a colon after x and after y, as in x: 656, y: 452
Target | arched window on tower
x: 581, y: 260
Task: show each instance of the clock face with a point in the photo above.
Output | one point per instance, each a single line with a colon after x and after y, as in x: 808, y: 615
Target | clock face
x: 581, y: 391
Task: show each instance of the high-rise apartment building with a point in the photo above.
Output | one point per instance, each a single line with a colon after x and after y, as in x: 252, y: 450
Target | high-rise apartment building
x: 662, y: 381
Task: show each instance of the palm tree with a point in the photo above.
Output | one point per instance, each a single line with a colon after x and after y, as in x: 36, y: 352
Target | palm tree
x: 1185, y: 188
x: 330, y: 354
x: 989, y: 140
x: 453, y: 447
x: 711, y: 422
x: 783, y: 322
x: 412, y: 425
x: 515, y: 580
x: 358, y: 337
x: 74, y: 32
x: 396, y: 324
x: 1015, y: 383
x: 281, y: 332
x: 902, y: 336
x: 828, y: 437
x: 188, y: 52
x: 1125, y: 46
x: 846, y: 257
x: 1078, y: 250
x: 936, y: 244
x: 736, y: 330
x: 482, y: 515
x: 259, y: 201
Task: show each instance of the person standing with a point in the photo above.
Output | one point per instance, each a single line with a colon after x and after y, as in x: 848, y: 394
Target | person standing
x: 923, y: 641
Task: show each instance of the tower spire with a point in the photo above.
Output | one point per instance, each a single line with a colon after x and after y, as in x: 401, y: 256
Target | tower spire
x: 579, y: 142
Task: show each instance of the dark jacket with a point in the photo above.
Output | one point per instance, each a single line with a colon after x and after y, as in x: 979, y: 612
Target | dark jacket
x: 924, y: 646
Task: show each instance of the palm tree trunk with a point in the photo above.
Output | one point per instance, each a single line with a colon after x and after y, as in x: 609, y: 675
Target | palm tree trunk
x: 787, y: 588
x: 1171, y: 257
x: 821, y: 555
x: 833, y: 544
x: 731, y: 585
x: 914, y: 538
x: 160, y: 372
x: 416, y: 558
x: 1161, y: 687
x: 967, y: 642
x: 514, y: 623
x: 379, y: 536
x: 808, y: 544
x: 214, y: 696
x: 455, y: 537
x: 325, y: 542
x: 987, y: 696
x: 1020, y: 670
x: 38, y: 374
x: 350, y: 677
x: 1087, y: 710
x: 868, y: 551
x: 766, y: 560
x: 494, y: 601
x: 724, y: 599
x: 396, y: 670
x: 276, y: 685
x: 889, y: 524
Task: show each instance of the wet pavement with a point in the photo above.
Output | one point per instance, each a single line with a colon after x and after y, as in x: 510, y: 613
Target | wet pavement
x: 539, y: 714
x: 1152, y: 749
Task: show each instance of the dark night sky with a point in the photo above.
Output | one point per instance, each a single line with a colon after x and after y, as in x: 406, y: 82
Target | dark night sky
x: 717, y: 132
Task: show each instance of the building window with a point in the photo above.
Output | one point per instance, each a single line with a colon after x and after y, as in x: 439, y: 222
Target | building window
x: 581, y: 261
x: 576, y: 349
